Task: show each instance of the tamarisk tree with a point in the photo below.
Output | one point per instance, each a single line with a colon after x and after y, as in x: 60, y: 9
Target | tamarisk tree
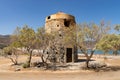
x: 27, y: 38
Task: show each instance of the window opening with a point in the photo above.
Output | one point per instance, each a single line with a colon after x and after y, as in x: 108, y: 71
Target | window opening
x: 57, y: 25
x: 66, y: 23
x: 48, y: 17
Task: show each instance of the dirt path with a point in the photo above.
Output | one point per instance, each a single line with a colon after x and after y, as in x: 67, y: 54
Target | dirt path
x: 4, y: 64
x: 60, y: 76
x: 6, y: 74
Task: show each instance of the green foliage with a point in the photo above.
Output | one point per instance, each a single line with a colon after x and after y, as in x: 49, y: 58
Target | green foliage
x: 41, y: 38
x: 109, y: 42
x: 27, y: 36
x: 26, y: 65
x: 117, y: 27
x: 70, y: 36
x: 88, y: 35
x: 23, y: 37
x: 11, y: 53
x: 15, y: 39
x: 7, y: 50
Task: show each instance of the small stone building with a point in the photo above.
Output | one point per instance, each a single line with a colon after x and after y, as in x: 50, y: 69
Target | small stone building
x: 58, y: 21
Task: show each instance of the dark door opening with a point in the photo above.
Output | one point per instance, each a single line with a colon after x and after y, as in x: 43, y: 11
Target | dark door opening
x: 69, y: 54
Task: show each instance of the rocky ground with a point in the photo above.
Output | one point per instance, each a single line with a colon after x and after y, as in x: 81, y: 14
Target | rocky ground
x: 7, y: 71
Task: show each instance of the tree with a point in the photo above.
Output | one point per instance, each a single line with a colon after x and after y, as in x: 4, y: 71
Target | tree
x: 85, y: 37
x: 51, y: 45
x: 27, y: 38
x: 55, y: 49
x: 110, y: 42
x: 88, y: 35
x: 42, y: 43
x: 11, y: 51
x: 117, y: 27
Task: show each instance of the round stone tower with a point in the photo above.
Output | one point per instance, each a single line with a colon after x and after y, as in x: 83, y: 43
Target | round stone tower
x: 59, y: 20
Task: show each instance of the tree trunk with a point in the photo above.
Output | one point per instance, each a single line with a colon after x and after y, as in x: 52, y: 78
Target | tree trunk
x: 29, y: 58
x: 14, y: 61
x: 87, y: 63
x: 88, y: 58
x: 42, y: 58
x: 115, y: 52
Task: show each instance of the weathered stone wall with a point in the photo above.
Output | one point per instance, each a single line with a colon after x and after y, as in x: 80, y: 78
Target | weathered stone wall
x: 58, y: 22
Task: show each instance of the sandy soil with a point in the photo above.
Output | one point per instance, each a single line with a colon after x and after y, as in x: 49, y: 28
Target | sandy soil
x: 7, y: 74
x: 60, y: 76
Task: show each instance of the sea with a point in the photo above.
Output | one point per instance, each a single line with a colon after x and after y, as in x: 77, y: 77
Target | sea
x: 100, y: 52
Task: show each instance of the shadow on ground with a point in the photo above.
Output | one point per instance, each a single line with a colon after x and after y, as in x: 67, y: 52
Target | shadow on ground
x: 84, y: 60
x: 103, y: 68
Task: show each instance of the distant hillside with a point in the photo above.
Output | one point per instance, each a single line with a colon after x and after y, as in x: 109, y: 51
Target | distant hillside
x: 4, y: 40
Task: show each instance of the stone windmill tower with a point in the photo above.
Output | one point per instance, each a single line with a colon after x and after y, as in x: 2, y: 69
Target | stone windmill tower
x: 58, y: 22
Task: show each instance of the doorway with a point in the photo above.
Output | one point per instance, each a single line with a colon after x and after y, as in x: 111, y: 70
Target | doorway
x: 69, y: 54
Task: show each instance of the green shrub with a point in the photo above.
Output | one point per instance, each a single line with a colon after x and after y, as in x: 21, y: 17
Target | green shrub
x: 26, y: 65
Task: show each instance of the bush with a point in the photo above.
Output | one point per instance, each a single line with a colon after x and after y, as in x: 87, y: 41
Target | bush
x: 96, y: 65
x: 26, y: 65
x: 34, y: 64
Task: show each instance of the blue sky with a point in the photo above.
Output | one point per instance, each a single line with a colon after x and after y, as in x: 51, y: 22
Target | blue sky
x: 15, y: 13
